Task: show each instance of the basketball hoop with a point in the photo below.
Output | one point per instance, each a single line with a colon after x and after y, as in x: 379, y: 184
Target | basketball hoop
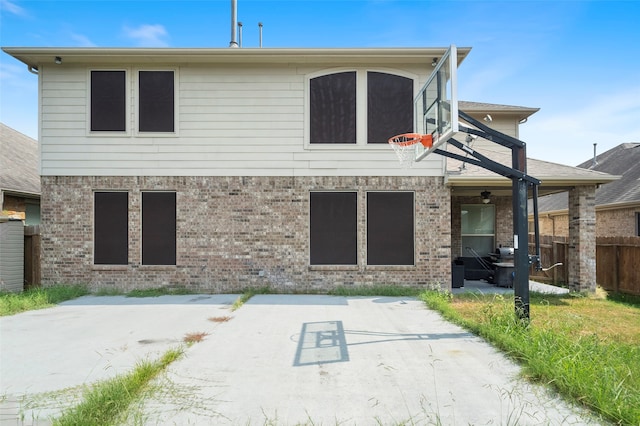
x: 405, y: 146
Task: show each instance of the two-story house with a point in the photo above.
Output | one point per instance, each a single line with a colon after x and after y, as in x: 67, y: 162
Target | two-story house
x: 219, y: 169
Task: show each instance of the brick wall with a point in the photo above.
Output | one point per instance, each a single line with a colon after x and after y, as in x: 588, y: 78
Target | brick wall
x: 237, y: 232
x: 582, y: 239
x: 609, y: 223
x: 616, y: 223
x: 557, y: 225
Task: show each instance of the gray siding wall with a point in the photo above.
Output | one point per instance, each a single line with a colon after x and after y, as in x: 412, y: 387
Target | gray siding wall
x: 12, y: 256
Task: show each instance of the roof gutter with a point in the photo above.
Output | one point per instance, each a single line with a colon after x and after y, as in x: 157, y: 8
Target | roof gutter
x: 34, y: 56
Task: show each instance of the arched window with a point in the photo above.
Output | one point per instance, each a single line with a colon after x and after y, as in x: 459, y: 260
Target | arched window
x: 333, y: 108
x: 389, y: 106
x: 341, y: 102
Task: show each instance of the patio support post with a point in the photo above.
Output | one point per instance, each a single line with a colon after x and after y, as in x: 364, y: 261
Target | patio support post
x: 582, y: 239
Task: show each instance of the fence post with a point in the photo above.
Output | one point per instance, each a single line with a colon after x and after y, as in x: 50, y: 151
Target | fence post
x: 616, y: 270
x: 31, y: 256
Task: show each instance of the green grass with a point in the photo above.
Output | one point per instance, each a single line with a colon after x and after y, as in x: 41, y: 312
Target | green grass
x: 107, y: 401
x: 38, y: 298
x: 248, y: 294
x: 161, y: 291
x: 377, y: 290
x: 588, y: 349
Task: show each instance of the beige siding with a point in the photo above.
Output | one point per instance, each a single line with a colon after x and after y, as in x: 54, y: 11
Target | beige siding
x: 505, y: 124
x: 235, y: 121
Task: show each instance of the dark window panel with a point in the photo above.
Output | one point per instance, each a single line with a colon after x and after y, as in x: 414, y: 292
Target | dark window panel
x: 390, y: 228
x: 333, y: 108
x: 108, y: 100
x: 333, y: 228
x: 158, y: 228
x: 156, y: 103
x: 111, y: 224
x: 389, y: 106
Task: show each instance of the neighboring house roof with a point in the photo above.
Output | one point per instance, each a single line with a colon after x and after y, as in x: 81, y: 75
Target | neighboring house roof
x: 19, y: 163
x: 623, y: 160
x: 466, y: 179
x: 555, y: 177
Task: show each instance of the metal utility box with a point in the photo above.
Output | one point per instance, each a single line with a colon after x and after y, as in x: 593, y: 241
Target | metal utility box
x: 11, y: 255
x: 504, y: 274
x: 457, y: 275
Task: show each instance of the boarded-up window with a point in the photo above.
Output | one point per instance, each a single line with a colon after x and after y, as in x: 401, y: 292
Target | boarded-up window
x: 390, y: 228
x: 333, y: 108
x: 156, y: 103
x: 111, y: 235
x: 158, y: 228
x: 389, y: 106
x: 108, y: 97
x: 333, y: 228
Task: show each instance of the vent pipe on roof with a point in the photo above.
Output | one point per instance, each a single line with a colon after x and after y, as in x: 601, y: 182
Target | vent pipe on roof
x: 240, y: 33
x: 234, y: 23
x: 260, y: 28
x: 595, y: 162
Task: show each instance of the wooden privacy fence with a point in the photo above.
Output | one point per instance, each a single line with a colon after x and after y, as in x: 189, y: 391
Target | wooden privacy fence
x: 617, y: 262
x: 31, y: 256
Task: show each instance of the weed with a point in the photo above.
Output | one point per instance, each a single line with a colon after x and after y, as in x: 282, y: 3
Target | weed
x: 248, y: 294
x: 105, y: 291
x: 568, y: 344
x: 220, y: 319
x: 38, y: 298
x: 376, y: 290
x: 159, y: 291
x: 196, y: 337
x: 106, y: 401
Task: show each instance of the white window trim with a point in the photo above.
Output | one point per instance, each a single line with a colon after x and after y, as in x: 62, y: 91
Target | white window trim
x: 93, y: 230
x: 150, y: 266
x: 127, y: 105
x: 176, y: 104
x: 336, y: 267
x: 366, y: 227
x: 361, y: 107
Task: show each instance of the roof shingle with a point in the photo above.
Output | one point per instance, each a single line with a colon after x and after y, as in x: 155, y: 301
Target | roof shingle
x: 19, y: 162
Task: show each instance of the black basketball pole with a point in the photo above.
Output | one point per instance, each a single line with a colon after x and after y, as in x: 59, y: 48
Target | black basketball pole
x: 520, y: 183
x: 520, y: 235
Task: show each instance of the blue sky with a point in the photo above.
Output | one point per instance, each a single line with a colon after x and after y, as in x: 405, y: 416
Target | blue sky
x: 578, y: 61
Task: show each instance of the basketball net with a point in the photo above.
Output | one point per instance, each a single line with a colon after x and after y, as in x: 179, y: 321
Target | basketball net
x: 406, y: 147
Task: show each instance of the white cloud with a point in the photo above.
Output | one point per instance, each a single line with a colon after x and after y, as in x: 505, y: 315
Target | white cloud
x: 11, y: 7
x: 568, y: 136
x: 82, y: 40
x: 148, y: 35
x: 19, y: 100
x: 14, y: 76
